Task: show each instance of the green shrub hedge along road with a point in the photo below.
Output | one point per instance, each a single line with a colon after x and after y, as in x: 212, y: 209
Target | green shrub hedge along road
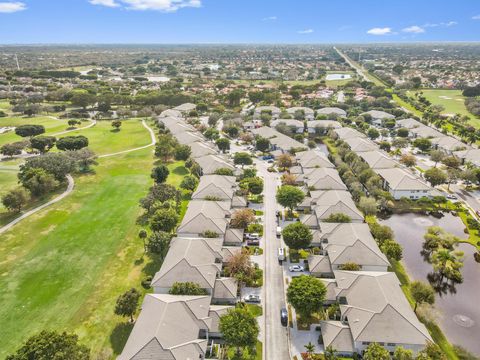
x: 64, y: 267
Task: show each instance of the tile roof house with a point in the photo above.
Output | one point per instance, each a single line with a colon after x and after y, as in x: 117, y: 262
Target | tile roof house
x: 322, y: 179
x: 296, y: 125
x: 348, y: 133
x: 185, y: 108
x: 351, y: 243
x: 202, y: 216
x: 309, y: 113
x: 322, y: 127
x: 218, y: 187
x: 328, y: 202
x: 277, y: 139
x: 332, y: 111
x: 375, y: 309
x: 190, y: 260
x: 201, y: 148
x: 171, y: 113
x: 378, y: 160
x: 275, y: 111
x: 378, y: 116
x: 359, y: 145
x: 170, y: 327
x: 188, y: 137
x: 313, y: 159
x: 449, y: 144
x: 401, y: 183
x: 471, y: 155
x: 211, y: 163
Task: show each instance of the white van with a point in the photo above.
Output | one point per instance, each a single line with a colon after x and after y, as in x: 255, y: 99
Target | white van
x: 279, y: 231
x: 281, y: 254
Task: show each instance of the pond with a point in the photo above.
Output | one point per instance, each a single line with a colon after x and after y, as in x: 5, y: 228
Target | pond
x: 338, y: 77
x: 459, y: 312
x: 158, y: 78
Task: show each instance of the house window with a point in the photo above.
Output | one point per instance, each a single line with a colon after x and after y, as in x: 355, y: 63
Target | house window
x: 391, y: 344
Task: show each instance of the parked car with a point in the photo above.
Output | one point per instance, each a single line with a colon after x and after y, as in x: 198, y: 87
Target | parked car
x: 271, y: 161
x: 252, y: 236
x: 451, y: 197
x: 279, y: 231
x: 478, y: 213
x: 284, y: 316
x: 296, y: 268
x: 253, y: 242
x: 267, y: 157
x: 252, y: 298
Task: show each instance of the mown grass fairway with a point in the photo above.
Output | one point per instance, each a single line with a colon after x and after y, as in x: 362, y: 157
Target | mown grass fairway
x: 452, y: 101
x: 103, y: 139
x: 64, y: 267
x: 51, y: 126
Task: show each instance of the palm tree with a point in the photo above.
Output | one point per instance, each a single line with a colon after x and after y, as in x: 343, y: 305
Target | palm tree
x: 310, y: 348
x: 330, y: 353
x: 448, y: 264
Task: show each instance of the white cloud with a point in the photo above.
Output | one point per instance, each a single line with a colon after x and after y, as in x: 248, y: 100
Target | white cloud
x: 270, y: 18
x: 414, y: 29
x: 476, y: 17
x: 158, y: 5
x: 161, y: 5
x: 441, y: 24
x: 306, y: 31
x: 108, y: 3
x: 380, y: 31
x: 11, y: 7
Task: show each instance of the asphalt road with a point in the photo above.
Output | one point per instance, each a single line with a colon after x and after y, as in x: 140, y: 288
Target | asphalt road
x: 276, y: 345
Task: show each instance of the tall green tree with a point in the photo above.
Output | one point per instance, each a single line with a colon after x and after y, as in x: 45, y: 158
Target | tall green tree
x: 127, y: 303
x: 422, y: 293
x: 160, y: 174
x: 289, y: 196
x: 297, y: 235
x: 306, y: 294
x: 239, y: 328
x: 49, y: 345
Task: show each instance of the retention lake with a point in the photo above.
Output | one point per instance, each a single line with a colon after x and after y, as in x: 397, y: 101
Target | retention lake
x: 459, y: 312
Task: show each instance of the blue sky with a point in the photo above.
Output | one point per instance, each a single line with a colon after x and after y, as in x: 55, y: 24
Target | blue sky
x: 237, y: 21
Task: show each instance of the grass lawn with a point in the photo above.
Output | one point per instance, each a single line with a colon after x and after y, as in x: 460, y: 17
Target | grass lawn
x: 51, y: 126
x: 5, y: 105
x: 104, y: 140
x: 64, y: 267
x: 451, y: 100
x: 8, y: 181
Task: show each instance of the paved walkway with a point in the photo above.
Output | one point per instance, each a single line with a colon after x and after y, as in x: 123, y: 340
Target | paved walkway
x: 92, y: 123
x: 71, y: 184
x: 152, y: 136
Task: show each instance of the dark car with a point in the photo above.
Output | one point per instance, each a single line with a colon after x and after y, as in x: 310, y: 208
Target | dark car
x: 284, y: 317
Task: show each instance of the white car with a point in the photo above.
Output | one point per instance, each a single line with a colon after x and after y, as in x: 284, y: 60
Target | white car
x: 296, y: 268
x: 252, y: 236
x: 252, y: 298
x: 451, y: 197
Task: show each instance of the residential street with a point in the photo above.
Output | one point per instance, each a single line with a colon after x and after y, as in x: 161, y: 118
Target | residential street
x: 276, y: 344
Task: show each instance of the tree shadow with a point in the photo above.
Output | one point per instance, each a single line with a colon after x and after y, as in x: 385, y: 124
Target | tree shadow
x: 115, y: 130
x: 180, y: 170
x: 152, y: 265
x: 119, y: 336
